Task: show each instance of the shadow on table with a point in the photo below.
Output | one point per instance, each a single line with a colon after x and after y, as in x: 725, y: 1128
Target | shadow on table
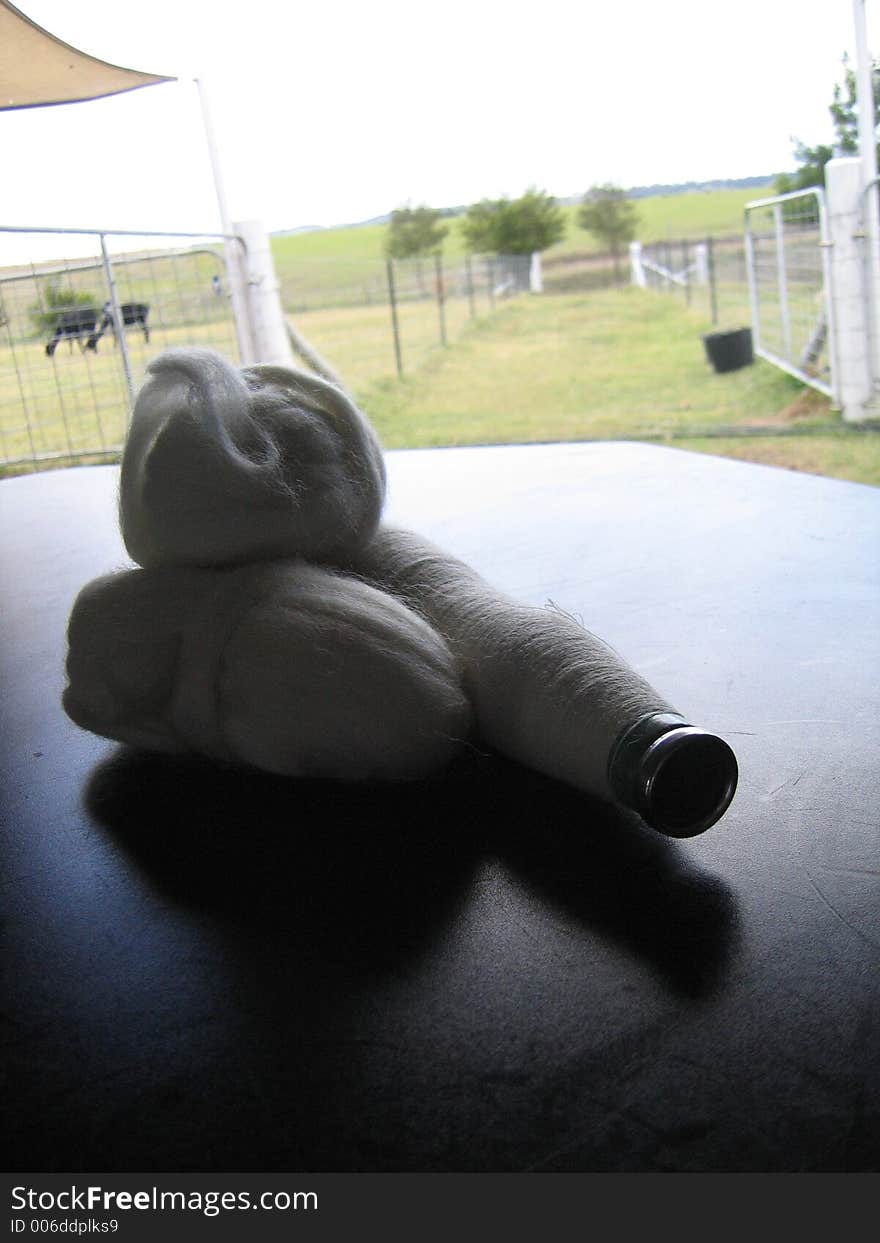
x: 368, y: 875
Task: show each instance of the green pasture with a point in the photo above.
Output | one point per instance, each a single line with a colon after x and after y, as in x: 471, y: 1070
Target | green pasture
x: 351, y: 257
x: 611, y: 364
x: 605, y: 363
x: 614, y: 363
x: 717, y: 213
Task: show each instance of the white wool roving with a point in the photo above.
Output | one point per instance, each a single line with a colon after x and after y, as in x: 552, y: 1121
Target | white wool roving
x: 550, y: 694
x: 226, y: 646
x: 225, y: 465
x: 287, y: 667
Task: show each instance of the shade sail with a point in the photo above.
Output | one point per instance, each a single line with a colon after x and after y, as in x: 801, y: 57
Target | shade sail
x: 37, y: 70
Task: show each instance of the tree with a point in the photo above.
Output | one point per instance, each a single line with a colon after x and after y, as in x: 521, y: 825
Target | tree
x: 844, y: 118
x: 414, y: 231
x: 513, y: 226
x: 55, y: 299
x: 608, y: 214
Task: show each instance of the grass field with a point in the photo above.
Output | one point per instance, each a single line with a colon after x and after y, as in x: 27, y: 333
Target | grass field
x: 352, y: 256
x: 604, y: 364
x: 694, y: 215
x: 615, y: 364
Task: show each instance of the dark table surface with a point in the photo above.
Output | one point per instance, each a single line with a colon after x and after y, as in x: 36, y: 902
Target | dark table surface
x: 218, y: 970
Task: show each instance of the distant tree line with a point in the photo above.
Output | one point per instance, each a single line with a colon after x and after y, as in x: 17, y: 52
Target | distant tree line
x: 532, y: 222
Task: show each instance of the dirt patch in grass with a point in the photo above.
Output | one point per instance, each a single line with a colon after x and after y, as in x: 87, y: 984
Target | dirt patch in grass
x: 809, y: 404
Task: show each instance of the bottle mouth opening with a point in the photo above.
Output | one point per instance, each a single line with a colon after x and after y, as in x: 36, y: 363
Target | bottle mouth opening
x: 689, y: 778
x: 680, y: 779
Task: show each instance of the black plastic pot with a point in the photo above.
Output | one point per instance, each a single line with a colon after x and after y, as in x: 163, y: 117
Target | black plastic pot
x: 728, y: 351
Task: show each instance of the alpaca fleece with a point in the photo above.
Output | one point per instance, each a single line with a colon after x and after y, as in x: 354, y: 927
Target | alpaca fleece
x: 545, y: 691
x: 225, y: 466
x: 288, y: 667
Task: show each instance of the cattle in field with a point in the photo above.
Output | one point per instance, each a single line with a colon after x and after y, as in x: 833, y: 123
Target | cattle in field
x: 74, y: 324
x: 131, y: 312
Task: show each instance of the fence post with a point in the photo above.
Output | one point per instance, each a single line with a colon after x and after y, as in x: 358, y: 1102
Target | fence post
x: 849, y: 294
x: 441, y: 296
x: 395, y: 327
x: 490, y: 277
x: 536, y: 277
x: 271, y: 343
x: 710, y: 277
x: 636, y: 271
x: 116, y: 316
x: 470, y: 286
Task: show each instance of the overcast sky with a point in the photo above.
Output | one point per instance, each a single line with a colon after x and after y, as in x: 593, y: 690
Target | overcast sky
x: 333, y: 111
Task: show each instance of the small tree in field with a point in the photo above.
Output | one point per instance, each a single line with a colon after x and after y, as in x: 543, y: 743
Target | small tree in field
x: 513, y: 227
x: 609, y: 215
x: 414, y: 231
x: 55, y: 299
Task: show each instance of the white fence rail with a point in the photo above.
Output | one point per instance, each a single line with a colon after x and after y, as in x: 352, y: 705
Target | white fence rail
x: 663, y: 264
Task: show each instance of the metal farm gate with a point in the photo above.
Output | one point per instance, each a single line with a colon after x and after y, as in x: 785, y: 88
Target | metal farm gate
x: 76, y: 334
x: 789, y: 272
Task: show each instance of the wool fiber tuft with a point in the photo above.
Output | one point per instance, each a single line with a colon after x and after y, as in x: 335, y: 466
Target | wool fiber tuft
x: 225, y: 465
x: 287, y: 667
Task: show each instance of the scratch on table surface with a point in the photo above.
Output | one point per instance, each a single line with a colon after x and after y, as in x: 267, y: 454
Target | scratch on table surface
x: 863, y: 936
x: 789, y: 781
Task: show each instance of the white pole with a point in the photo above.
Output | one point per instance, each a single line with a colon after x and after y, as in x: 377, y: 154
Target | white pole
x: 870, y: 192
x: 232, y: 251
x: 637, y: 272
x: 865, y: 94
x: 850, y: 339
x: 270, y: 336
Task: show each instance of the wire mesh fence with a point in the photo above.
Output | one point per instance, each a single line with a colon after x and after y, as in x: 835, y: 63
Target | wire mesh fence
x: 395, y: 313
x: 787, y: 256
x: 77, y: 333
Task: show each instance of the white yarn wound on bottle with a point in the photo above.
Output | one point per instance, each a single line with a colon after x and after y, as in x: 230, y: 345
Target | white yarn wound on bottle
x: 545, y: 691
x: 225, y: 465
x: 287, y: 667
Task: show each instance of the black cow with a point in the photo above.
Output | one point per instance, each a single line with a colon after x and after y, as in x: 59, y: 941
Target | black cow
x: 73, y: 325
x: 131, y: 312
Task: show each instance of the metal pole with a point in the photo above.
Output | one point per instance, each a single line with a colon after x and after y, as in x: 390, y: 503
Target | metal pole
x: 782, y: 280
x: 753, y: 283
x: 710, y: 264
x: 116, y: 315
x: 868, y: 155
x: 389, y: 264
x: 231, y: 253
x: 470, y: 286
x: 441, y: 298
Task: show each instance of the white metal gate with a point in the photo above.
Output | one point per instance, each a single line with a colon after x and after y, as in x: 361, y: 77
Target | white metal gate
x: 789, y: 274
x: 76, y: 334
